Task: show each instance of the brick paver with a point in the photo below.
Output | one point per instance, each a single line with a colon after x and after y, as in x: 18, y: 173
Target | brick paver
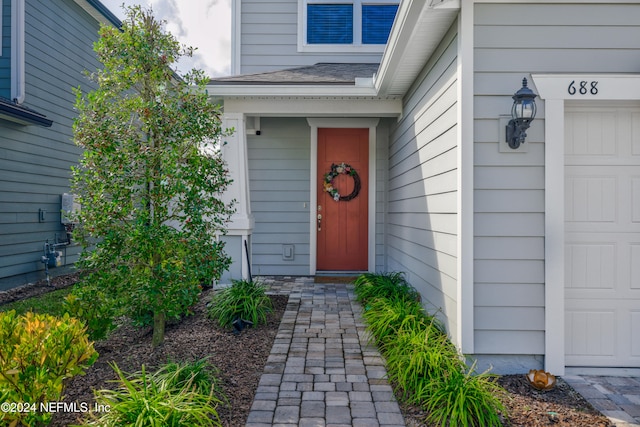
x: 322, y: 370
x: 618, y: 398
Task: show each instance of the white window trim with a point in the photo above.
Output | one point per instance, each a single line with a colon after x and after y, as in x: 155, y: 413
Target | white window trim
x: 1, y: 8
x: 356, y: 46
x: 17, y: 51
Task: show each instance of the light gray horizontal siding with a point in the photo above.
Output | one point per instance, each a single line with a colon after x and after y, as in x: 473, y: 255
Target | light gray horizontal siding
x: 35, y: 161
x: 512, y: 41
x: 279, y: 162
x: 421, y: 229
x: 269, y: 39
x: 382, y: 157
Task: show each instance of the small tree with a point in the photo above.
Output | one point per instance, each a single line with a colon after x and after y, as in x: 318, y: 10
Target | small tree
x: 150, y: 177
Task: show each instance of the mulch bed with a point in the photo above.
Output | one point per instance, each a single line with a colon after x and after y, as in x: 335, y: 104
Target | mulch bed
x: 240, y: 361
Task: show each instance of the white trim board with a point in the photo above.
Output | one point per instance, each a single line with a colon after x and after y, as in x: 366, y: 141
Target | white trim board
x: 315, y: 124
x: 465, y: 267
x: 555, y: 89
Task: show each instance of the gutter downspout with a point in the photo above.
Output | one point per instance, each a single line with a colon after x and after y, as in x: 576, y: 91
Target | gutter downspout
x: 17, y: 52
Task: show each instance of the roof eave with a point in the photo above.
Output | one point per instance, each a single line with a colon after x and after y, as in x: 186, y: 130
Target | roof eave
x: 99, y: 12
x: 17, y: 114
x: 279, y: 90
x: 417, y: 30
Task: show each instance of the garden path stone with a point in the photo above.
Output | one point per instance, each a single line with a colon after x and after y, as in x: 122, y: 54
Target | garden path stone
x: 322, y: 352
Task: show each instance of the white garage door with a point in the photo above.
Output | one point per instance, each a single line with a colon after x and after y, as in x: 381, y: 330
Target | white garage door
x: 602, y: 236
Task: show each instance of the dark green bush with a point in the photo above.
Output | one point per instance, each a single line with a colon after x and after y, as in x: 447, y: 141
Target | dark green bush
x: 93, y: 308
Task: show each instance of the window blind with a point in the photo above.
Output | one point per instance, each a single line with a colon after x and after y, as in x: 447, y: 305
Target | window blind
x: 376, y: 22
x: 330, y: 24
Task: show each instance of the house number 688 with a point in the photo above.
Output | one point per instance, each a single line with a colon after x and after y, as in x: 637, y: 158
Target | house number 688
x: 583, y: 87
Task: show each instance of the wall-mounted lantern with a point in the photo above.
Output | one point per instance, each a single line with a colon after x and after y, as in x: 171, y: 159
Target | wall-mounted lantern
x: 523, y: 112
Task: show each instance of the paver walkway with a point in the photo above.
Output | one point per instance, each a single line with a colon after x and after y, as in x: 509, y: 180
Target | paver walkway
x: 322, y: 371
x: 618, y: 398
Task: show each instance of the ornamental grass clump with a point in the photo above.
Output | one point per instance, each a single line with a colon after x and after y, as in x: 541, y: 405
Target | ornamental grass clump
x: 198, y: 374
x: 423, y: 364
x: 164, y: 398
x: 385, y: 318
x: 416, y: 358
x: 245, y: 300
x: 37, y: 353
x: 369, y: 286
x: 462, y: 398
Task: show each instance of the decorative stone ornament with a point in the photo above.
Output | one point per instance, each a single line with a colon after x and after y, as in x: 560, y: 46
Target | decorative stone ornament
x: 541, y: 380
x: 336, y: 170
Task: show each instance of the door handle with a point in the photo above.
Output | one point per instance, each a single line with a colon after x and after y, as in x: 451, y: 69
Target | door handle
x: 319, y: 222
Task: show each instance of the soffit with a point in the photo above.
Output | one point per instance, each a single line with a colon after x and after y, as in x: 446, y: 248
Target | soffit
x: 419, y: 27
x: 99, y: 12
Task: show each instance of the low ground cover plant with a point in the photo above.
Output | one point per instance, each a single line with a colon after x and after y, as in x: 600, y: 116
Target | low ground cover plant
x: 49, y: 303
x: 244, y: 300
x: 176, y: 395
x: 423, y: 364
x: 37, y: 353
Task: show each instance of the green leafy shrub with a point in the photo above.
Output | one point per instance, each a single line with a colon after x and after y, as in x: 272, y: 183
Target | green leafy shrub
x: 161, y: 399
x: 93, y: 307
x: 242, y: 300
x: 37, y: 353
x: 369, y: 286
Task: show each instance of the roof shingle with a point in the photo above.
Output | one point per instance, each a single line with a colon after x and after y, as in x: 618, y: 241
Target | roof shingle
x: 322, y: 73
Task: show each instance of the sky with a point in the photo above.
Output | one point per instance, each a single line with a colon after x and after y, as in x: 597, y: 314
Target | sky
x: 202, y: 24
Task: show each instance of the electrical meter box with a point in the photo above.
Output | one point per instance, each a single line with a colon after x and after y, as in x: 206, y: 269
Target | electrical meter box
x: 70, y: 209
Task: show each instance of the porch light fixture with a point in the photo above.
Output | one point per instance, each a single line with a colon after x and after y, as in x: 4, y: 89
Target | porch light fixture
x: 523, y: 112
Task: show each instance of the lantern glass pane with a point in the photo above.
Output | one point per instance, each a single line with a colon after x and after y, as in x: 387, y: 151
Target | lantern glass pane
x: 528, y: 109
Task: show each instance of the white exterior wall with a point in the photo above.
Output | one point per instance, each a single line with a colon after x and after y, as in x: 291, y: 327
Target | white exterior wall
x: 421, y: 236
x: 511, y: 42
x: 268, y: 35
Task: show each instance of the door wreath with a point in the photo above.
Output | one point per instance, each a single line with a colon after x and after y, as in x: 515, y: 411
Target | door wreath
x: 336, y: 170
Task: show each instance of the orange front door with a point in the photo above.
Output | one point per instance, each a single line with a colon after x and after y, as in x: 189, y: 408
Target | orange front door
x: 343, y: 224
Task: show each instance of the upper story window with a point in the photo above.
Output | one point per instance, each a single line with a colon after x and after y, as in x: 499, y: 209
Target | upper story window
x: 345, y: 26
